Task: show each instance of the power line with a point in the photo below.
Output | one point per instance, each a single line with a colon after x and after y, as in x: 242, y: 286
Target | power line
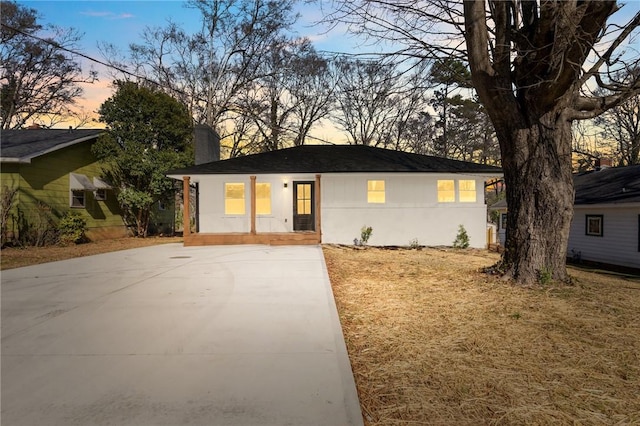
x: 125, y: 71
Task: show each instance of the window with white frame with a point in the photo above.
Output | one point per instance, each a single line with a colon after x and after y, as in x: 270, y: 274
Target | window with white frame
x: 446, y: 191
x: 376, y: 191
x: 594, y: 225
x: 234, y: 203
x: 263, y: 198
x: 467, y: 191
x: 77, y: 198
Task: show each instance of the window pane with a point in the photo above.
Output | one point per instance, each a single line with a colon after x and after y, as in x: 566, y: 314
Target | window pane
x: 376, y: 197
x: 594, y: 225
x: 375, y: 185
x: 234, y: 198
x: 232, y: 206
x: 263, y: 205
x: 263, y: 190
x: 446, y: 191
x: 263, y: 198
x: 77, y: 198
x: 467, y: 191
x: 234, y: 190
x: 375, y: 191
x: 306, y: 191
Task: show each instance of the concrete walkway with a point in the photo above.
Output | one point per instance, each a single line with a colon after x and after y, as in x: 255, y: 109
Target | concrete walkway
x: 172, y: 335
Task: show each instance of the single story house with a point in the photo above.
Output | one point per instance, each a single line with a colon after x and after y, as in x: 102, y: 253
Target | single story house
x: 54, y: 171
x: 606, y: 217
x: 327, y: 193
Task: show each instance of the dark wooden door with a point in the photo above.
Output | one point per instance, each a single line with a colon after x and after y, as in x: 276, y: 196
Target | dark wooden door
x: 303, y: 206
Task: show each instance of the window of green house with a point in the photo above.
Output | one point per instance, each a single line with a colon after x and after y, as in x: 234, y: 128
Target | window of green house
x: 77, y: 198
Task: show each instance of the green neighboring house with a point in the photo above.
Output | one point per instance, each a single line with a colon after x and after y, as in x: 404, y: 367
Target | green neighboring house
x: 55, y: 172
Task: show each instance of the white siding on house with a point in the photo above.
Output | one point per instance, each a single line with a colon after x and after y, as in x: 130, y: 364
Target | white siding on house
x: 211, y: 204
x: 411, y: 210
x: 619, y: 243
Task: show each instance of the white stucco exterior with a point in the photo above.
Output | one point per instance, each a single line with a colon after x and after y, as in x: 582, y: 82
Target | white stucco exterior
x: 619, y: 243
x: 411, y: 210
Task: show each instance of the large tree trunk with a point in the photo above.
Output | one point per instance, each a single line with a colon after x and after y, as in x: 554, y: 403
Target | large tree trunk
x: 540, y: 197
x: 531, y: 97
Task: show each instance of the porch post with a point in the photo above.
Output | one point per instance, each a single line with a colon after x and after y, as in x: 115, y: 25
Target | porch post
x: 186, y: 219
x: 253, y: 204
x: 318, y: 208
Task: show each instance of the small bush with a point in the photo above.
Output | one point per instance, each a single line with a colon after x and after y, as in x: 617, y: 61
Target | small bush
x: 365, y: 234
x: 462, y: 239
x: 414, y: 244
x: 71, y: 229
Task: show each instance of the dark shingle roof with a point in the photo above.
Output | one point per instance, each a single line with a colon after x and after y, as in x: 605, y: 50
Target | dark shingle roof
x: 335, y: 159
x: 610, y: 185
x: 26, y: 144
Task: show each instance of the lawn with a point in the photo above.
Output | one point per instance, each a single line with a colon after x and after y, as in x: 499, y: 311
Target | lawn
x: 16, y: 257
x: 433, y: 340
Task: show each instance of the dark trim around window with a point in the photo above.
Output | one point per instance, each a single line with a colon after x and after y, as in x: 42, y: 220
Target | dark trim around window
x: 594, y: 225
x: 78, y: 198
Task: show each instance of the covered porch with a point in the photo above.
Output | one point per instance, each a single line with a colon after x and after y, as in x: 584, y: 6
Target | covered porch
x: 251, y: 237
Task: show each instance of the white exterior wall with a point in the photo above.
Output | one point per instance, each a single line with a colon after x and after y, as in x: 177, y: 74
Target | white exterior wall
x: 211, y: 203
x: 618, y: 244
x: 411, y: 210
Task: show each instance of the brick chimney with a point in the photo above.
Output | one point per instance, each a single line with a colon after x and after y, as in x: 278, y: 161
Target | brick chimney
x: 603, y: 163
x: 206, y: 144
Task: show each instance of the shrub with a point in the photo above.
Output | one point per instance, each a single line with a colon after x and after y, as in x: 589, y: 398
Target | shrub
x: 462, y: 239
x: 365, y: 234
x: 7, y: 200
x: 71, y: 229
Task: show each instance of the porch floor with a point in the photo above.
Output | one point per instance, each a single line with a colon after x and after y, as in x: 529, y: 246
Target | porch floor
x: 276, y: 238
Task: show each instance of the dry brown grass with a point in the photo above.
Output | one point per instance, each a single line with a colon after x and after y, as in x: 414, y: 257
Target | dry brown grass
x: 18, y: 257
x: 432, y: 340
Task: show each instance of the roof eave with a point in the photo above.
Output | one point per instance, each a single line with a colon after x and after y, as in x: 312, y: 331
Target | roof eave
x: 19, y: 160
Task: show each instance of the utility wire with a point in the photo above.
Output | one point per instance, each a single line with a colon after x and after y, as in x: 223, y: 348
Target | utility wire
x: 122, y: 70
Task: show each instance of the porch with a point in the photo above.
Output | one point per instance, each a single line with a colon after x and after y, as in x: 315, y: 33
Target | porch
x: 253, y: 237
x: 273, y: 239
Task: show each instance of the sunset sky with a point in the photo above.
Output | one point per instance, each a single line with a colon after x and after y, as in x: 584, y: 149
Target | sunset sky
x: 123, y: 22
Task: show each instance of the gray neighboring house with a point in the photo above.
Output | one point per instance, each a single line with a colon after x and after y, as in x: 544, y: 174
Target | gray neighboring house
x: 606, y: 217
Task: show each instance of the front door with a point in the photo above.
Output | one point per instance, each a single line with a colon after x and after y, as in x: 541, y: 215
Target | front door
x: 303, y: 206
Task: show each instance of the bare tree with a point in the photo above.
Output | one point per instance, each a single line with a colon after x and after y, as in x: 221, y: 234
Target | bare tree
x: 208, y: 70
x: 39, y: 75
x: 529, y: 65
x: 312, y: 85
x: 290, y: 95
x: 622, y: 125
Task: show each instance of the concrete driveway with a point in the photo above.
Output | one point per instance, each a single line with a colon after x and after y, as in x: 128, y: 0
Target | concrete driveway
x: 172, y: 335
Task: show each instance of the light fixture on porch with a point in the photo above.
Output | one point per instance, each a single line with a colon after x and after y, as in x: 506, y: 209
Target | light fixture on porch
x: 286, y: 183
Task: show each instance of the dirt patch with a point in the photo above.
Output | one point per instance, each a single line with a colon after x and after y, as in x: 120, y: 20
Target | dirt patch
x: 18, y: 257
x: 432, y: 340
